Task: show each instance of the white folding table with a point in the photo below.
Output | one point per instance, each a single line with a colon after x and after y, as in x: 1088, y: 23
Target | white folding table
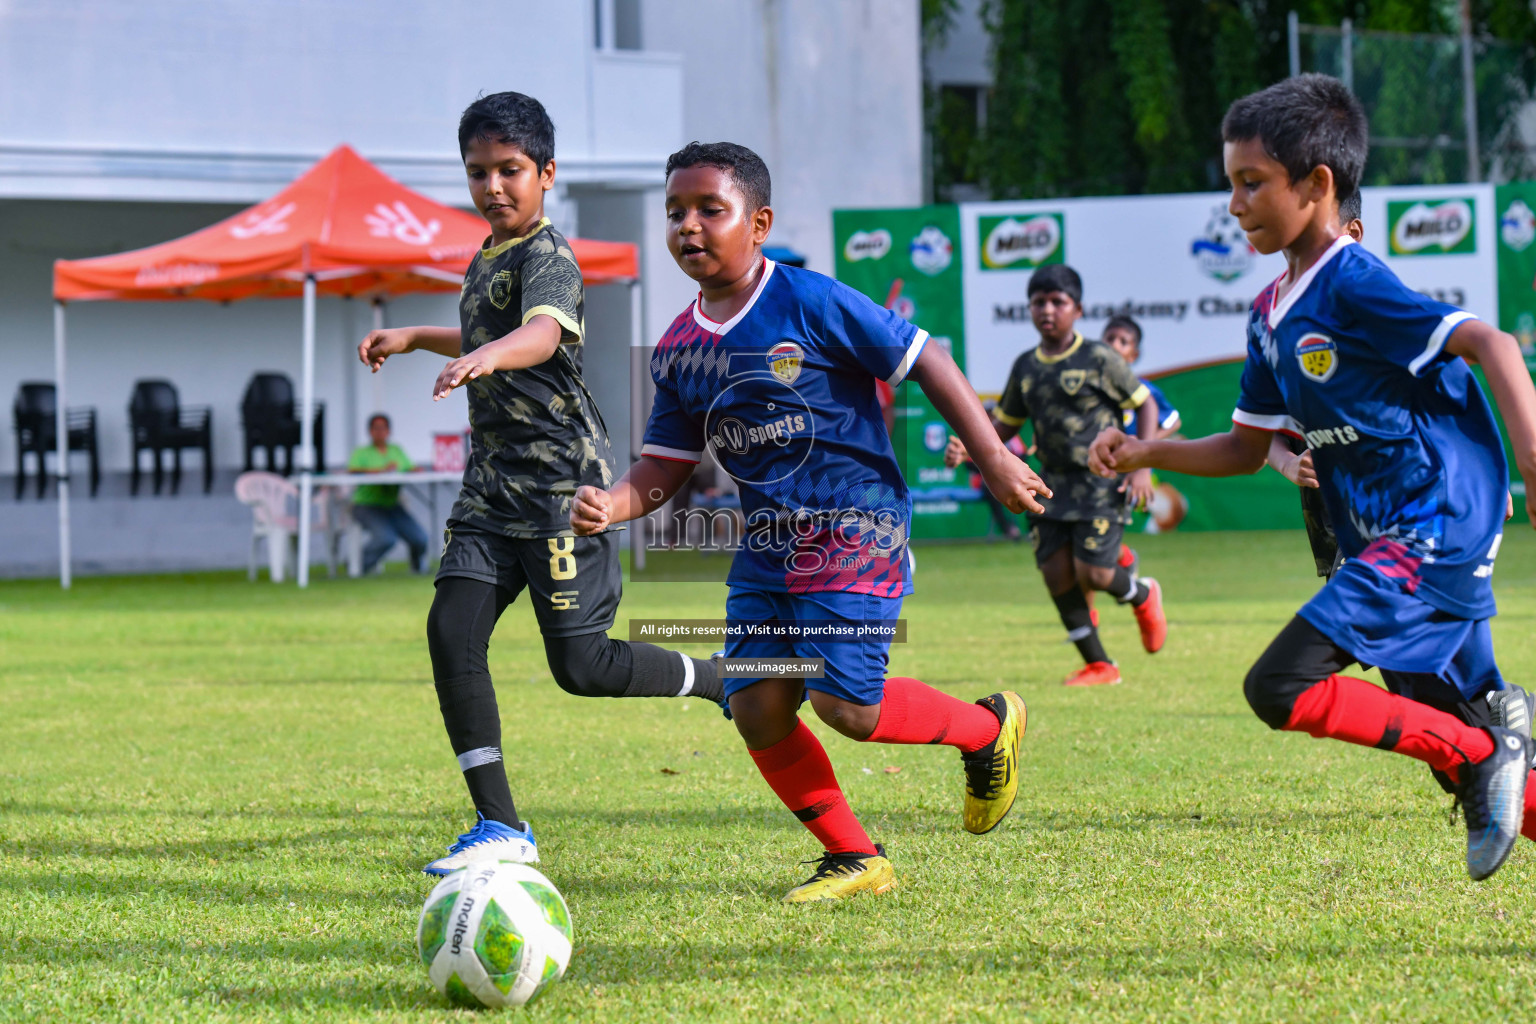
x: 425, y: 484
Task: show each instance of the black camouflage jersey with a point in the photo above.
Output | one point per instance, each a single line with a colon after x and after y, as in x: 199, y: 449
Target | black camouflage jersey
x: 1071, y: 397
x: 535, y: 434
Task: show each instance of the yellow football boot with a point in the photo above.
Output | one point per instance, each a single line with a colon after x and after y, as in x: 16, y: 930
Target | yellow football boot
x: 992, y: 773
x: 841, y: 875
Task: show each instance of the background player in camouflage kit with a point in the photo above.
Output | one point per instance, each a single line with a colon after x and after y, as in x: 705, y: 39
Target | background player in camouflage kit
x: 535, y: 436
x: 1072, y: 388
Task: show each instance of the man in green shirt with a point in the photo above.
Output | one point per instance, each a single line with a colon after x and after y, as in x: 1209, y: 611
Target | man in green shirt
x: 376, y: 507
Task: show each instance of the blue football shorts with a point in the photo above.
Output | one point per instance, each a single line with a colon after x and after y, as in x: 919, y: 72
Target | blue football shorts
x: 1372, y: 619
x: 855, y: 670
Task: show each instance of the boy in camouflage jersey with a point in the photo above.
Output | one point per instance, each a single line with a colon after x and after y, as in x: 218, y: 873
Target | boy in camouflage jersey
x: 1072, y: 389
x: 535, y: 436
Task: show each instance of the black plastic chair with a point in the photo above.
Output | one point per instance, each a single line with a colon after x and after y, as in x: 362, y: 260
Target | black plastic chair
x: 33, y: 415
x: 269, y: 415
x: 159, y: 422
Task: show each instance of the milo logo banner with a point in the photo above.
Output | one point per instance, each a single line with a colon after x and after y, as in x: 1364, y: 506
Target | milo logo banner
x: 1181, y: 266
x: 909, y: 261
x: 1021, y: 243
x: 1418, y: 228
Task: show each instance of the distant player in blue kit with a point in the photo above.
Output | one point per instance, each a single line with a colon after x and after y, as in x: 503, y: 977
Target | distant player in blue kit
x: 1373, y: 375
x: 1123, y: 335
x: 774, y: 369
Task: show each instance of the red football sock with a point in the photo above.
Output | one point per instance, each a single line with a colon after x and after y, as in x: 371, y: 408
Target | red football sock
x: 797, y: 769
x: 1353, y: 710
x: 914, y: 712
x: 1528, y: 827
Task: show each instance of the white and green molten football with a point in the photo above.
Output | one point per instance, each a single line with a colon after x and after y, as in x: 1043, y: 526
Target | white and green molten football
x: 494, y: 934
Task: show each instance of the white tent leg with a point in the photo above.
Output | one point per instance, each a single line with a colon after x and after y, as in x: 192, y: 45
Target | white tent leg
x: 307, y: 431
x: 61, y: 455
x: 376, y: 395
x: 636, y: 421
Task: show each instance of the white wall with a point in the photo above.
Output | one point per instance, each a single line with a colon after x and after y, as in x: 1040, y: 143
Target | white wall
x: 828, y: 92
x: 230, y: 99
x: 208, y: 351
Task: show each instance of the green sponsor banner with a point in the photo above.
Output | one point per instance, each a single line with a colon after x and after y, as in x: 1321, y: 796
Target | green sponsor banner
x: 1205, y: 398
x: 1432, y: 227
x: 1021, y: 241
x: 908, y: 260
x: 1516, y: 249
x: 1516, y: 205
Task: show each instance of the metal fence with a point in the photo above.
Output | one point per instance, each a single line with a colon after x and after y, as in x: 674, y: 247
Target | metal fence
x: 1442, y: 108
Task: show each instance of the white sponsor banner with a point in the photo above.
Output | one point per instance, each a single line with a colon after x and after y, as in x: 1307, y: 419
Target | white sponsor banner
x: 1430, y: 220
x: 1181, y: 266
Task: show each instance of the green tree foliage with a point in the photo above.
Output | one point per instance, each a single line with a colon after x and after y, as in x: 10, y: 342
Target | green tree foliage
x: 1096, y: 97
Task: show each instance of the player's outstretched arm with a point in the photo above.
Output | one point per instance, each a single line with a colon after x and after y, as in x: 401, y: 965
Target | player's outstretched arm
x: 649, y: 484
x: 1499, y: 355
x: 1009, y: 479
x: 392, y: 341
x: 1239, y: 452
x: 529, y: 345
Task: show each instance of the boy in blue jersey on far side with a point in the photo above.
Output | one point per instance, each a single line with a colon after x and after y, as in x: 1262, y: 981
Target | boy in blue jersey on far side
x: 1123, y: 335
x: 774, y: 369
x: 1408, y: 457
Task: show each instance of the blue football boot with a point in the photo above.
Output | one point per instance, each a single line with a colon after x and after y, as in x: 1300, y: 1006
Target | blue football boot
x: 488, y: 840
x: 1491, y: 794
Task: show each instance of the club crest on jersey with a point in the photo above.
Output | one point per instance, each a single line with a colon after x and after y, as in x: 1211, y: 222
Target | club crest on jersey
x: 785, y: 360
x: 1318, y: 357
x: 500, y: 290
x: 1072, y: 380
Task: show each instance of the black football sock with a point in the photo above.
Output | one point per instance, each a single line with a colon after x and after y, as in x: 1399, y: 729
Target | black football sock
x: 1073, y: 608
x: 593, y: 665
x: 663, y: 673
x: 1127, y: 590
x: 474, y: 728
x: 464, y: 611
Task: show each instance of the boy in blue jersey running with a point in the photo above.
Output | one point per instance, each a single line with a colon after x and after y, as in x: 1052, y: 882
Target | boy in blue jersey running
x: 1292, y: 459
x: 774, y: 369
x: 1405, y: 447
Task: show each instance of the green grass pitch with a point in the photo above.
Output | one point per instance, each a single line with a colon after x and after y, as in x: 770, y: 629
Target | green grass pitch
x: 215, y: 796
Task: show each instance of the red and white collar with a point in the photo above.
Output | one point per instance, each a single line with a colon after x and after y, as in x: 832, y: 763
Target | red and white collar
x: 719, y: 329
x: 1278, y: 310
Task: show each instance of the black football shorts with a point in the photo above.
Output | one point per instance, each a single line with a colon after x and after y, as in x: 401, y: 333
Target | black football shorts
x: 575, y: 582
x: 1094, y: 541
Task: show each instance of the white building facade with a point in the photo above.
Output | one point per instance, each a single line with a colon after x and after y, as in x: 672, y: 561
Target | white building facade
x: 123, y: 125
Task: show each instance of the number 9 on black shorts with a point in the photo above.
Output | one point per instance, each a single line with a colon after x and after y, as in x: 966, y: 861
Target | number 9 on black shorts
x: 1094, y: 541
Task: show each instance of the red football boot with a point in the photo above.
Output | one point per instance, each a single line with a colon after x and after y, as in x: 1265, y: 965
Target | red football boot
x: 1150, y: 618
x: 1095, y: 673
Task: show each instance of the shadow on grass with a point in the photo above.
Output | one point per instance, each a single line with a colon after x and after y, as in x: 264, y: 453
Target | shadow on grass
x: 213, y: 891
x: 1128, y: 820
x: 648, y: 963
x: 305, y: 811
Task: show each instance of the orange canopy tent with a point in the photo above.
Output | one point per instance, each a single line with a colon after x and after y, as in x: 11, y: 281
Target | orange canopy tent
x: 344, y: 222
x: 344, y: 227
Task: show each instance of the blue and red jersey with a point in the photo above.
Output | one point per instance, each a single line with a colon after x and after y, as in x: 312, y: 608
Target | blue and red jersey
x: 783, y: 394
x: 1406, y: 447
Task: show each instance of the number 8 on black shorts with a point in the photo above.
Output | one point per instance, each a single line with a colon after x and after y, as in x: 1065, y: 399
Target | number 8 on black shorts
x: 575, y: 581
